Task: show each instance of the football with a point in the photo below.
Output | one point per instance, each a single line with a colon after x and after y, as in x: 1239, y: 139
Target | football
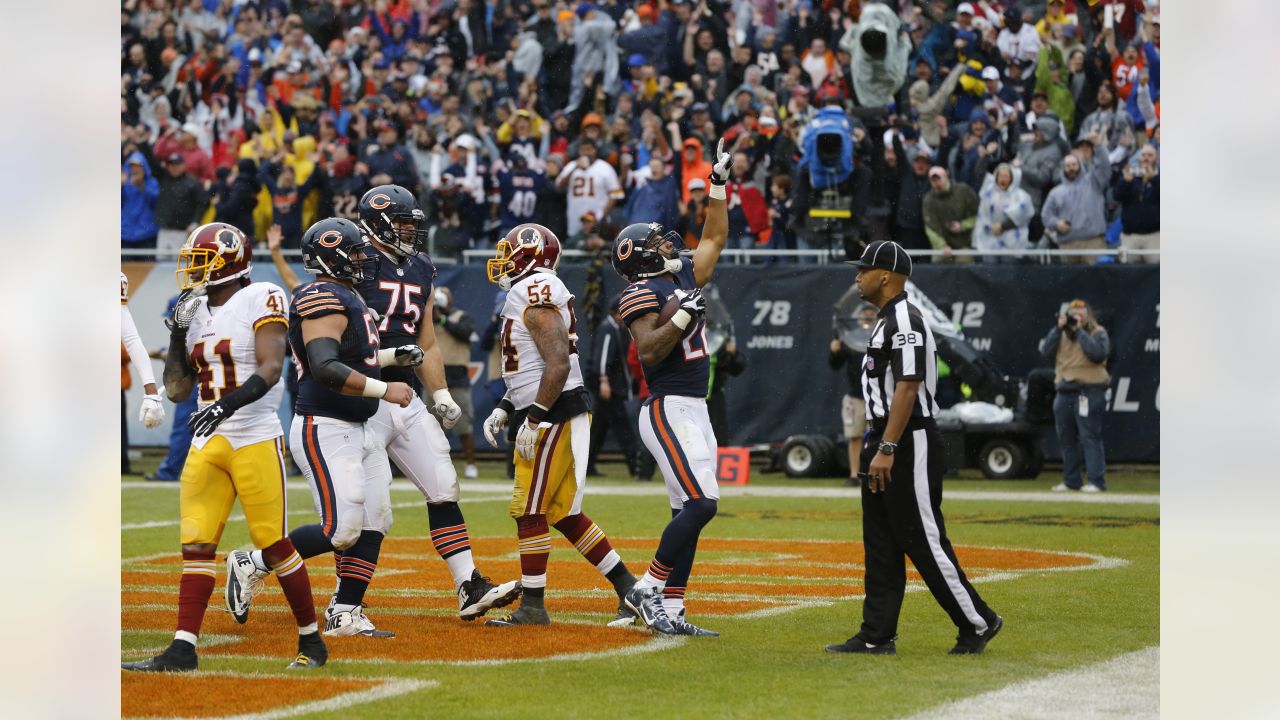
x: 669, y: 309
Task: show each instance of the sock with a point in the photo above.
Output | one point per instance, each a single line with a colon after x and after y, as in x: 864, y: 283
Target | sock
x: 194, y: 590
x: 259, y: 562
x: 337, y: 570
x: 358, y: 565
x: 449, y: 535
x: 680, y: 535
x: 310, y: 541
x: 621, y: 578
x: 294, y: 581
x: 535, y: 548
x: 673, y: 600
x: 590, y: 540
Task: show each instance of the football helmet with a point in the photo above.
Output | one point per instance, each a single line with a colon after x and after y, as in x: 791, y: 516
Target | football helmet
x: 525, y: 248
x: 335, y: 247
x: 637, y: 251
x: 390, y: 215
x: 213, y: 254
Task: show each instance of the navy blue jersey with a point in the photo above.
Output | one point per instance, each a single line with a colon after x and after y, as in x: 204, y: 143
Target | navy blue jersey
x: 399, y: 295
x: 519, y: 191
x: 358, y: 349
x: 686, y: 369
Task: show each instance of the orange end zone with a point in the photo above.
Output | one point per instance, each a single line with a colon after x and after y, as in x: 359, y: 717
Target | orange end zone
x: 152, y: 694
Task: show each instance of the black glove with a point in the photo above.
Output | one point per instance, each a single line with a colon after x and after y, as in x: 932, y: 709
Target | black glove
x: 205, y: 420
x: 694, y: 303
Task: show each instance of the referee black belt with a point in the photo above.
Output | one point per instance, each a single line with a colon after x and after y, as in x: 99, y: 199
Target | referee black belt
x: 913, y: 423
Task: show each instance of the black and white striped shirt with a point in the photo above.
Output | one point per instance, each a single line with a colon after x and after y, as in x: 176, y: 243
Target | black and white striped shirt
x: 901, y: 348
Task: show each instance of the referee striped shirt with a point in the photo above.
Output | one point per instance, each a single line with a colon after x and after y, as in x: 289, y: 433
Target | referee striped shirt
x: 901, y: 348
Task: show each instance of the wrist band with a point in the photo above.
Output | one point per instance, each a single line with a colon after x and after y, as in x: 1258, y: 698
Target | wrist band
x: 374, y: 388
x: 441, y: 395
x: 681, y: 318
x: 537, y: 412
x: 716, y: 192
x: 506, y: 406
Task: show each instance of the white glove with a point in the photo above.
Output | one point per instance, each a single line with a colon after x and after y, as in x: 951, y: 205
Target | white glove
x: 723, y: 166
x: 445, y: 409
x: 494, y: 426
x: 152, y: 412
x: 526, y: 440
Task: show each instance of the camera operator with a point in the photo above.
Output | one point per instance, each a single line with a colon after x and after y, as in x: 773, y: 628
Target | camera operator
x: 1079, y: 347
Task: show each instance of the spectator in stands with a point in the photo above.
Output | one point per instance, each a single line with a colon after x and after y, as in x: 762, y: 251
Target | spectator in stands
x: 1138, y: 192
x: 1004, y: 215
x: 748, y: 212
x: 1111, y: 123
x: 913, y: 179
x: 455, y: 349
x: 179, y: 206
x: 1051, y: 79
x: 595, y: 59
x: 1074, y: 212
x: 929, y: 107
x: 1040, y: 159
x: 1018, y: 41
x: 184, y: 142
x: 138, y: 195
x: 657, y: 201
x: 950, y: 211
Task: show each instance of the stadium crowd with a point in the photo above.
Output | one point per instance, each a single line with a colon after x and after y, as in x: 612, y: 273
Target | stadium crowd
x: 982, y: 125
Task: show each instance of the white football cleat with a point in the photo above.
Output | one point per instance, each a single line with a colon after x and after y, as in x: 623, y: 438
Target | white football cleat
x: 345, y: 623
x: 244, y: 580
x: 471, y: 472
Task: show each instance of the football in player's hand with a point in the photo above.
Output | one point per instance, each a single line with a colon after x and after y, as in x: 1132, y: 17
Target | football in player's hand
x: 672, y: 305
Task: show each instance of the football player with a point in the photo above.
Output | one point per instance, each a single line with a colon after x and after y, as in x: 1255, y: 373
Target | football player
x: 228, y: 339
x: 674, y: 423
x: 152, y: 412
x: 334, y: 340
x: 402, y: 292
x: 549, y: 413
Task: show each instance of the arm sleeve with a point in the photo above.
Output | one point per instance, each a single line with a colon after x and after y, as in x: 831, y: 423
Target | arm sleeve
x: 1097, y: 346
x: 1049, y: 344
x: 322, y: 359
x: 907, y: 350
x: 133, y: 343
x: 638, y: 301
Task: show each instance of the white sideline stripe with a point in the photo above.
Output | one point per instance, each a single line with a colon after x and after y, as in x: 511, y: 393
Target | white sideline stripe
x: 658, y: 489
x: 394, y: 506
x: 386, y: 688
x: 657, y: 643
x: 1126, y: 686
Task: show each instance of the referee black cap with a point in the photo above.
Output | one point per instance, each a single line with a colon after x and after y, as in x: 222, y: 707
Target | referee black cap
x: 885, y: 255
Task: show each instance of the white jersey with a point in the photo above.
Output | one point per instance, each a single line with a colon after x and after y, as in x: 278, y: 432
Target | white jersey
x: 522, y: 364
x: 589, y: 191
x: 130, y: 338
x: 221, y: 345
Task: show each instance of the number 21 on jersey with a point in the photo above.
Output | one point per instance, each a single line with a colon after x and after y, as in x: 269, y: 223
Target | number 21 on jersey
x: 695, y: 343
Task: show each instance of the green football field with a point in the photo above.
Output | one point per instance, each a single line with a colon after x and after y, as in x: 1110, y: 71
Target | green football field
x: 779, y: 574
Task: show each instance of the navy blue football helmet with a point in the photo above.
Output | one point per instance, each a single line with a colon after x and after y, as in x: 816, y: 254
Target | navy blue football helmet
x: 335, y: 247
x: 637, y: 251
x: 390, y: 215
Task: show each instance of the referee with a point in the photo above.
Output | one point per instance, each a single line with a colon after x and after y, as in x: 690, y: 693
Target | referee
x: 902, y: 462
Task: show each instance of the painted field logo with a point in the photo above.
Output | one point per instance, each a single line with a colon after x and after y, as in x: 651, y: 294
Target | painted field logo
x: 412, y: 594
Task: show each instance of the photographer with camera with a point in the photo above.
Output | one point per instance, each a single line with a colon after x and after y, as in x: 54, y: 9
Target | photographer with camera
x: 1079, y: 347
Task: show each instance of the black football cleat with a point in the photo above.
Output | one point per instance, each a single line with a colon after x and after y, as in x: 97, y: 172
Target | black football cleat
x: 857, y: 646
x: 523, y: 615
x: 646, y: 603
x: 975, y: 644
x: 478, y: 595
x: 312, y: 652
x: 687, y: 628
x: 180, y: 656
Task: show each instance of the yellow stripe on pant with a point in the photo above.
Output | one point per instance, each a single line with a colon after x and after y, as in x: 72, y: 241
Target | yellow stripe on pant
x: 216, y: 474
x: 547, y: 484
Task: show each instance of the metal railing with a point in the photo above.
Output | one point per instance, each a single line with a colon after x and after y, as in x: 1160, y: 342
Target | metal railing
x: 738, y: 256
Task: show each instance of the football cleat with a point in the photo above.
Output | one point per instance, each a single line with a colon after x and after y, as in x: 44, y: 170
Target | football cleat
x: 975, y: 644
x: 346, y: 623
x: 522, y: 616
x: 624, y: 618
x: 312, y: 652
x: 178, y: 657
x: 244, y: 580
x: 857, y: 646
x: 646, y: 603
x: 478, y: 596
x: 686, y: 628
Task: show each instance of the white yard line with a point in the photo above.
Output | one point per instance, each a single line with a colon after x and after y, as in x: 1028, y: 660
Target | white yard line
x: 658, y: 489
x: 1127, y: 686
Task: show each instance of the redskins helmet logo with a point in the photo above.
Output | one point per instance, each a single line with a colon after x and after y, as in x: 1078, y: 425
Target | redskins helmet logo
x: 229, y: 242
x: 380, y: 201
x: 330, y: 238
x: 530, y: 238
